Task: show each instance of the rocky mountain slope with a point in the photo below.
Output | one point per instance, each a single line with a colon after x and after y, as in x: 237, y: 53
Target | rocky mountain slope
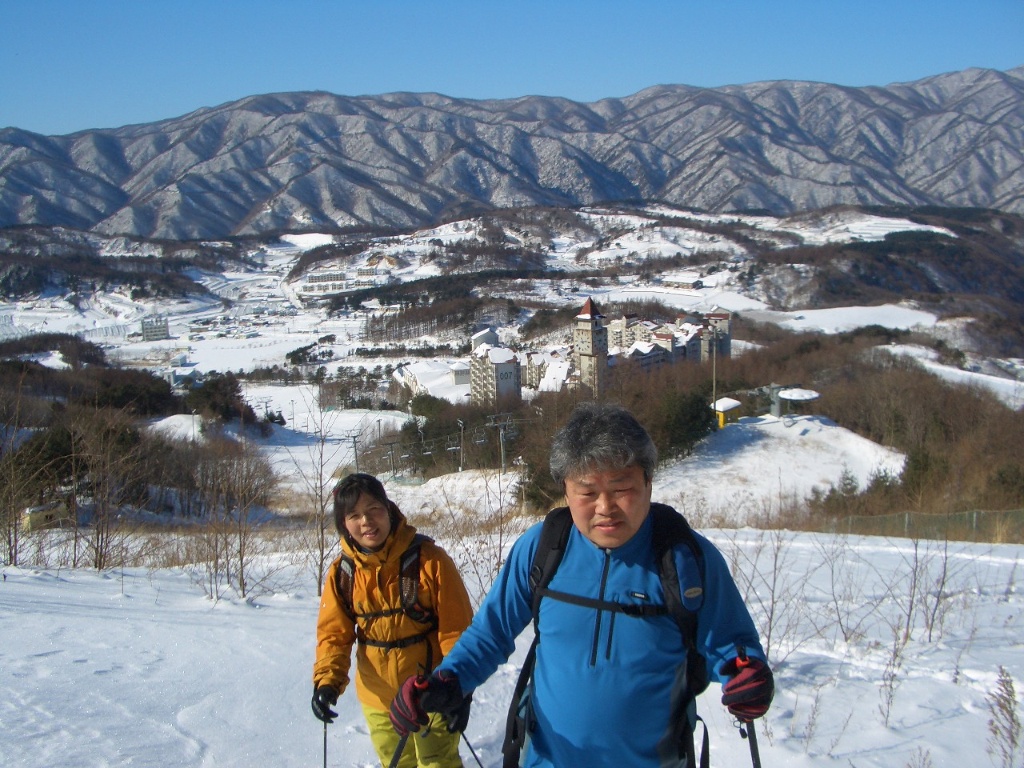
x: 319, y: 162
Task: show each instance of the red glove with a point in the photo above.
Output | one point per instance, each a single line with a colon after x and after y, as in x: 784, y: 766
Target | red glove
x: 749, y: 693
x: 407, y: 715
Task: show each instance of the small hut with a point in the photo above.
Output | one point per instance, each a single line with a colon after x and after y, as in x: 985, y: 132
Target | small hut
x: 724, y: 406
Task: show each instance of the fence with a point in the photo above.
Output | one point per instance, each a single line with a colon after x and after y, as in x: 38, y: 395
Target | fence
x: 1000, y: 527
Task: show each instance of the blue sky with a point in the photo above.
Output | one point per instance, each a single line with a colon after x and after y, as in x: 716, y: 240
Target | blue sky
x: 68, y: 65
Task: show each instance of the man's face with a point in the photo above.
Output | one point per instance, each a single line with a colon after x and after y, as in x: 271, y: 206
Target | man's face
x: 608, y: 507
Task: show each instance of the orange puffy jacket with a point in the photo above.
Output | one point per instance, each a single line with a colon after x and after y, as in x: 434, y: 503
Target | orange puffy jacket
x: 375, y: 587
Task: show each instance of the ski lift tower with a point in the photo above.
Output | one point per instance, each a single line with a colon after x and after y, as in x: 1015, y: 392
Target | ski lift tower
x: 790, y: 395
x: 506, y: 429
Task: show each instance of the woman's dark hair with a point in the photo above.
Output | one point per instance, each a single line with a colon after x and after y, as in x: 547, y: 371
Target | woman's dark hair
x: 347, y: 493
x: 599, y: 437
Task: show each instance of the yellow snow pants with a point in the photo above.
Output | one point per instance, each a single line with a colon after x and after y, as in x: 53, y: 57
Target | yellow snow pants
x: 436, y: 749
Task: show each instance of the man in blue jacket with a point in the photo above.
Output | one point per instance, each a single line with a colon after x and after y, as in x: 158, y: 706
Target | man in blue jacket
x: 608, y: 686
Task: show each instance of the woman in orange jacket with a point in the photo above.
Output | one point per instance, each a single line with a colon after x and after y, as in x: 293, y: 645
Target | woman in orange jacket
x: 398, y: 597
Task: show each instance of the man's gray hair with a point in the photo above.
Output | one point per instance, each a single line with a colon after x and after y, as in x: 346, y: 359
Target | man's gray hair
x: 600, y: 437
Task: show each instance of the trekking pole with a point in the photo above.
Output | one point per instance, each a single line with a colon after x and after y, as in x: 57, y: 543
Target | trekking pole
x: 325, y: 744
x: 750, y: 734
x: 471, y: 750
x: 397, y: 757
x: 420, y: 685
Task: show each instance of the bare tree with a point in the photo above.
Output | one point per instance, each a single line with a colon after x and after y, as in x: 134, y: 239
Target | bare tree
x: 110, y: 448
x: 764, y: 574
x: 847, y: 608
x: 235, y: 483
x: 317, y: 482
x: 479, y: 535
x: 251, y: 481
x: 16, y: 479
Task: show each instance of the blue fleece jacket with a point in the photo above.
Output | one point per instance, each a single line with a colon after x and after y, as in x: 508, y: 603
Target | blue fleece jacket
x: 605, y: 684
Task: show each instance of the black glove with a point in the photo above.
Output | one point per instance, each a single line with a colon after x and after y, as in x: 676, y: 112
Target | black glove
x: 324, y: 698
x: 444, y: 694
x: 407, y: 715
x: 750, y: 691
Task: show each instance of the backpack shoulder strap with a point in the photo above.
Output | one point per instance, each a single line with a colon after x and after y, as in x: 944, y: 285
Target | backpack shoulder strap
x: 343, y: 583
x: 671, y: 531
x: 409, y: 581
x: 554, y: 534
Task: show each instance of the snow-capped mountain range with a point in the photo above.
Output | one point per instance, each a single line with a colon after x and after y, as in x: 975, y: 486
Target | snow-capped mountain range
x: 314, y: 161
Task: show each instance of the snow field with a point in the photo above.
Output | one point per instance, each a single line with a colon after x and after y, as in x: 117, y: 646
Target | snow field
x: 140, y: 668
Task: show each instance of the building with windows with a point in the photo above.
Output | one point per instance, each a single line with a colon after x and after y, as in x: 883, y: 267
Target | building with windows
x: 486, y: 336
x: 437, y: 378
x: 494, y: 375
x: 630, y: 343
x: 155, y: 329
x: 590, y: 344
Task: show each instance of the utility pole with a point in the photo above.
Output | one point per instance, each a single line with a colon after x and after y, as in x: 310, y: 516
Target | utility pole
x: 462, y: 443
x: 502, y: 421
x: 355, y: 451
x: 714, y: 362
x: 501, y: 440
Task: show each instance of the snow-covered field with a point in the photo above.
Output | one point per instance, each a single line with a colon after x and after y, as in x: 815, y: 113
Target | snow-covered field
x: 138, y: 667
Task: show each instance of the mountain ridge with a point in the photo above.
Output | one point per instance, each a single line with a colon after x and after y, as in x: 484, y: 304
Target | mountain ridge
x: 312, y: 160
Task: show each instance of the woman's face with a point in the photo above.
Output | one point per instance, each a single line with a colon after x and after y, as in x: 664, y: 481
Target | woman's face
x: 368, y: 523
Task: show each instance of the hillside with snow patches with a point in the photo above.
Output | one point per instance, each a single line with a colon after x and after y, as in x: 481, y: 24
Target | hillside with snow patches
x: 611, y: 236
x: 255, y: 314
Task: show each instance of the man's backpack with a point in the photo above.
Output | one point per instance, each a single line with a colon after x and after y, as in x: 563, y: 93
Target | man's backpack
x: 409, y: 584
x: 670, y: 531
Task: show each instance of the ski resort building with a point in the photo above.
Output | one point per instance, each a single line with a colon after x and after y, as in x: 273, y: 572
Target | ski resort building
x: 603, y: 350
x: 155, y: 329
x: 494, y: 375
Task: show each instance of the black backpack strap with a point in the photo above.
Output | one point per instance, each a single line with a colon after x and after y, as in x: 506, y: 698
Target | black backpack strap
x: 629, y: 609
x: 554, y: 534
x: 517, y: 720
x: 670, y: 531
x: 705, y: 747
x: 409, y: 582
x: 343, y: 583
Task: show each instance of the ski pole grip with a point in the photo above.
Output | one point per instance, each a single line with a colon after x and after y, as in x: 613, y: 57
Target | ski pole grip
x: 742, y: 660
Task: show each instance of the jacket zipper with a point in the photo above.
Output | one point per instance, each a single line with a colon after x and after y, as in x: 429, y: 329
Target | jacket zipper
x: 600, y: 596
